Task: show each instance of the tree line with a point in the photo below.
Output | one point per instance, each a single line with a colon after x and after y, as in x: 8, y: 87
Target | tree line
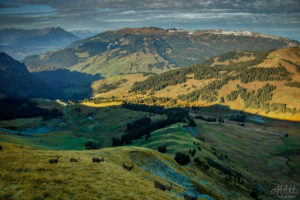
x: 106, y: 87
x: 203, y: 70
x: 260, y: 99
x: 223, y: 74
x: 293, y: 84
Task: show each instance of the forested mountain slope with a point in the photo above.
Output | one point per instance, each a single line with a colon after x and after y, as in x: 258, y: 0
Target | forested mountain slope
x: 266, y: 82
x: 151, y: 49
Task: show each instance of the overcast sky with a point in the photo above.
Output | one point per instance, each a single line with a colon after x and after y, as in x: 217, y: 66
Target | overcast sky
x: 275, y: 17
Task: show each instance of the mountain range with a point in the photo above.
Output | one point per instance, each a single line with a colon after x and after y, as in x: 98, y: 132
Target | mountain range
x: 151, y: 49
x: 151, y: 65
x: 20, y: 43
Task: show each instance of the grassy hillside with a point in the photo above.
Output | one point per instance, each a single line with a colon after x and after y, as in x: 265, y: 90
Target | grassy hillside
x: 263, y: 82
x: 233, y: 160
x: 24, y: 169
x: 148, y: 50
x: 87, y: 180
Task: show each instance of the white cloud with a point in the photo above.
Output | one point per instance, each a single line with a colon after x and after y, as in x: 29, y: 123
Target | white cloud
x: 129, y: 12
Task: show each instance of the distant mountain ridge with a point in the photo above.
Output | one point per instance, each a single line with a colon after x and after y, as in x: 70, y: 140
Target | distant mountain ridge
x: 131, y: 50
x: 248, y: 33
x: 20, y: 43
x: 85, y: 33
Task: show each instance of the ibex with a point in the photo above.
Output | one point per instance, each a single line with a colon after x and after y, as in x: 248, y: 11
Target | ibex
x: 162, y: 186
x: 54, y: 160
x: 127, y: 167
x: 98, y: 160
x: 73, y: 160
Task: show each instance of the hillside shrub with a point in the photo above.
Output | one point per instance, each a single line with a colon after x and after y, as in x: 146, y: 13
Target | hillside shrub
x: 182, y: 158
x: 162, y: 149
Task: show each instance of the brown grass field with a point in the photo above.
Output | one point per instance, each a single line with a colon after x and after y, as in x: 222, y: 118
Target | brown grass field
x: 27, y: 174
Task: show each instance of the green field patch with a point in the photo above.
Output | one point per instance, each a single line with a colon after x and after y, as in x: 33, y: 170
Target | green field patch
x: 51, y: 141
x: 290, y: 146
x: 174, y: 137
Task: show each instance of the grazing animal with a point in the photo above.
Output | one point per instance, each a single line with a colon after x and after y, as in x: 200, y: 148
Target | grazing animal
x: 52, y: 161
x: 129, y: 168
x: 0, y: 148
x: 169, y: 188
x: 162, y: 186
x: 98, y: 160
x: 190, y: 196
x: 73, y: 160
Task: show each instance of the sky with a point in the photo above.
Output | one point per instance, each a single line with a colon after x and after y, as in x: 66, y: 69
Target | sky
x: 274, y: 17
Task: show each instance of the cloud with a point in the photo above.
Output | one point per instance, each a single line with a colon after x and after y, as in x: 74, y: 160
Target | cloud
x: 273, y: 6
x: 122, y: 20
x: 129, y: 12
x: 115, y: 14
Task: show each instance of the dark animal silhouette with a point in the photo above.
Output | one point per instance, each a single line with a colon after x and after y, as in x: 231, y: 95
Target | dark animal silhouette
x: 162, y: 186
x: 98, y: 160
x: 0, y: 148
x: 169, y: 188
x: 52, y: 161
x: 190, y: 196
x: 127, y: 167
x: 73, y: 160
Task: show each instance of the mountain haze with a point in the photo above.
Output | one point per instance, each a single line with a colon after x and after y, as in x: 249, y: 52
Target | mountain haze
x: 151, y: 49
x: 20, y: 43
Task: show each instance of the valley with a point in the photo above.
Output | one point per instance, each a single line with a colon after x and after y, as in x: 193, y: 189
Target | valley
x: 151, y: 113
x: 251, y: 148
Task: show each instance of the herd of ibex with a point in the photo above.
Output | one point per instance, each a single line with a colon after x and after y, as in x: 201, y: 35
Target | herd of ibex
x: 94, y: 160
x: 157, y: 184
